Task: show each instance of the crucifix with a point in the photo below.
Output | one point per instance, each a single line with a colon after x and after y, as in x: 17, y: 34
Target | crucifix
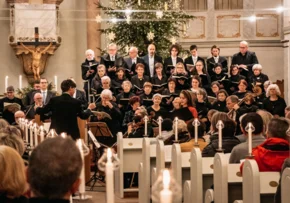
x: 36, y: 53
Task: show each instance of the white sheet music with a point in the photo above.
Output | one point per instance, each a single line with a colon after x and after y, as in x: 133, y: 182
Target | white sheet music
x: 167, y: 153
x: 95, y: 141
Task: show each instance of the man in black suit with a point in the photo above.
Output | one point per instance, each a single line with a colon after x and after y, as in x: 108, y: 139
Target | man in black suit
x: 150, y: 60
x: 112, y: 60
x: 193, y: 58
x: 65, y: 110
x: 132, y: 60
x: 46, y: 94
x: 245, y: 59
x: 29, y: 96
x: 172, y: 60
x: 216, y: 58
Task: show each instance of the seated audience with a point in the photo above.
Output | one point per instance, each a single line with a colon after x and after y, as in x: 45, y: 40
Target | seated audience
x: 12, y: 179
x: 241, y: 150
x: 54, y: 182
x: 166, y: 128
x: 228, y: 135
x: 271, y: 154
x: 274, y: 103
x: 187, y: 146
x: 183, y: 135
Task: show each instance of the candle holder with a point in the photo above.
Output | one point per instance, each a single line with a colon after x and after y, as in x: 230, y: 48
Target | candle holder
x: 166, y: 189
x: 250, y: 129
x: 196, y: 123
x: 104, y: 159
x: 51, y: 134
x: 220, y: 126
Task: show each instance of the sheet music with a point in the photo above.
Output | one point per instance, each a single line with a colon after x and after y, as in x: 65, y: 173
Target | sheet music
x: 95, y: 141
x: 167, y: 153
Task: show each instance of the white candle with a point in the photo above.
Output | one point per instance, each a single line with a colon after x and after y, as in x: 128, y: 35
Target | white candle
x: 31, y: 132
x: 20, y: 82
x: 6, y: 83
x: 176, y: 129
x: 55, y: 82
x: 63, y: 135
x: 166, y: 194
x: 109, y: 178
x: 220, y: 133
x: 52, y: 133
x: 41, y: 134
x: 165, y: 6
x: 26, y: 129
x: 145, y: 127
x: 196, y: 130
x: 35, y: 135
x: 250, y: 130
x: 160, y: 125
x: 139, y: 2
x: 82, y: 187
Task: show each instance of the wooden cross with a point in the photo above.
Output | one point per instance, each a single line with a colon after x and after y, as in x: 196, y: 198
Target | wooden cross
x: 36, y: 40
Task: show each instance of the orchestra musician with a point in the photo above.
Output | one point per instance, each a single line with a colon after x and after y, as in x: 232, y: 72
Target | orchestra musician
x: 242, y: 86
x: 134, y: 102
x: 183, y: 135
x: 170, y: 62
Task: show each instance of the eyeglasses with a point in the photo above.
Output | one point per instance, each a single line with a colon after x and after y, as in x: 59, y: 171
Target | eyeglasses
x: 243, y: 47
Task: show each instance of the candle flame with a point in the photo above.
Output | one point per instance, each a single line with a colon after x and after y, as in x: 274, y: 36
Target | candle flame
x: 166, y: 179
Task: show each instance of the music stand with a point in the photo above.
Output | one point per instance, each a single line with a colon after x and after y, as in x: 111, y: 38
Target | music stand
x: 97, y: 129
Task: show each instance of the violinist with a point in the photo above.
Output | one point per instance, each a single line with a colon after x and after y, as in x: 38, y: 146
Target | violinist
x: 134, y: 102
x: 137, y: 128
x: 243, y: 85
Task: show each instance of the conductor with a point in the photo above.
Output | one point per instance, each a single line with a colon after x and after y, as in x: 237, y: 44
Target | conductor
x: 65, y: 109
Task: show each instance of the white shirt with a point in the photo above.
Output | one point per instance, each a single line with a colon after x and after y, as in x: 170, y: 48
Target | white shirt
x: 216, y: 59
x: 75, y: 94
x: 151, y: 65
x: 134, y: 60
x: 174, y: 60
x: 112, y: 58
x: 194, y: 58
x: 44, y: 95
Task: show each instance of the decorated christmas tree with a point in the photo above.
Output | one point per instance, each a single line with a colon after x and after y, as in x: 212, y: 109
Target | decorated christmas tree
x: 141, y: 22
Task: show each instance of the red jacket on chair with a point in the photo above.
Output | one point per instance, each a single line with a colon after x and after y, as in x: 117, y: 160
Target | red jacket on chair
x: 271, y: 154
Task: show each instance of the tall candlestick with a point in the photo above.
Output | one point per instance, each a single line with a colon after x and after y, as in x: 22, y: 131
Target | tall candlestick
x: 109, y: 178
x: 20, y: 82
x: 41, y: 134
x: 145, y: 130
x: 31, y: 133
x: 196, y: 124
x: 55, y: 82
x: 220, y: 126
x: 82, y: 187
x: 250, y: 129
x: 26, y: 128
x: 166, y: 194
x: 160, y: 125
x: 35, y: 134
x: 176, y: 129
x: 6, y: 83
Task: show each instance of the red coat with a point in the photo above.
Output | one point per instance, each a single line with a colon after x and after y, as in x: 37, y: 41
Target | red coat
x: 270, y: 160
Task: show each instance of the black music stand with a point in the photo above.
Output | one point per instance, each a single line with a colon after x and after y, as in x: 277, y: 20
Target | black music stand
x: 97, y: 129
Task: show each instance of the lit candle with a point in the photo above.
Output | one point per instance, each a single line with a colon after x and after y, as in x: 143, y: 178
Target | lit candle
x: 41, y: 134
x: 165, y: 6
x: 109, y: 178
x: 63, y: 135
x: 250, y: 131
x: 196, y: 130
x: 6, y: 83
x: 52, y: 133
x: 220, y: 126
x: 145, y: 130
x: 20, y: 82
x: 26, y: 129
x: 139, y: 2
x: 166, y: 194
x: 176, y: 129
x: 55, y: 82
x: 82, y: 187
x: 31, y: 132
x: 160, y: 125
x: 35, y: 134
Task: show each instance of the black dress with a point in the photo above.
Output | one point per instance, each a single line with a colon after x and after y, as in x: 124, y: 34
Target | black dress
x: 220, y: 106
x: 7, y: 115
x: 275, y: 107
x: 155, y: 114
x: 21, y: 199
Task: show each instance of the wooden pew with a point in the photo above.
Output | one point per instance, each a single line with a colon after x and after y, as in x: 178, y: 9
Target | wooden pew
x: 258, y: 186
x: 201, y: 177
x: 285, y: 185
x: 227, y: 181
x: 129, y: 151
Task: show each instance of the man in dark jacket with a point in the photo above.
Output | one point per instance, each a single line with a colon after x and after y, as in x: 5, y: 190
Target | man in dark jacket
x: 65, y: 110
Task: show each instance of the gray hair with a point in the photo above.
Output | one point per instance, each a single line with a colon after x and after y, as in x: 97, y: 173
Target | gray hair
x: 127, y: 82
x: 244, y: 43
x: 106, y: 78
x: 257, y: 67
x: 11, y: 137
x: 113, y: 45
x: 107, y: 93
x: 90, y: 51
x: 133, y: 49
x: 273, y: 86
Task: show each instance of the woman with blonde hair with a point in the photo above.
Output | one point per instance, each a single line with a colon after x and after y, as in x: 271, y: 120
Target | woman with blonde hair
x: 274, y: 103
x: 3, y: 123
x: 12, y: 178
x: 266, y: 116
x: 10, y: 137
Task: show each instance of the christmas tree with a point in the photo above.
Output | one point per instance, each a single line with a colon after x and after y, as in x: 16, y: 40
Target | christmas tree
x: 141, y: 22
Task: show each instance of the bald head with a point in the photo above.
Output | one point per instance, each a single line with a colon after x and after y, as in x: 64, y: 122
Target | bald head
x: 18, y: 114
x: 151, y: 49
x: 244, y: 47
x: 37, y: 98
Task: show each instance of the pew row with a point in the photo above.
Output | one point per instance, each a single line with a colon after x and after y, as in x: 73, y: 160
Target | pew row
x: 258, y: 186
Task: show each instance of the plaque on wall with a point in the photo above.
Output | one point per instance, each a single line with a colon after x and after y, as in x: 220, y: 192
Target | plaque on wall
x: 267, y: 25
x: 196, y: 28
x: 228, y: 26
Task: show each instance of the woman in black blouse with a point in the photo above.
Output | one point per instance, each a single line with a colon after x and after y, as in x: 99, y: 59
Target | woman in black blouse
x: 235, y: 78
x: 274, y: 103
x: 242, y: 89
x: 156, y: 110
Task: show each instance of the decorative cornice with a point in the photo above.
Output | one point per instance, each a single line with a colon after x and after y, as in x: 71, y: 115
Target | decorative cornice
x: 57, y: 2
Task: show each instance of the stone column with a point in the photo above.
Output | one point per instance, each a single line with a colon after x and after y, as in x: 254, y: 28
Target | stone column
x: 93, y: 35
x: 286, y: 31
x: 211, y: 21
x: 248, y: 27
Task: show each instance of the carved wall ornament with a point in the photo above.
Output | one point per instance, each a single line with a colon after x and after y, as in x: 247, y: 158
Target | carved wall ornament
x: 267, y: 25
x: 197, y: 28
x: 228, y: 26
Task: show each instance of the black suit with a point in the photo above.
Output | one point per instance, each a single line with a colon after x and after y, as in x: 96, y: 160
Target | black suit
x: 189, y: 60
x: 49, y: 95
x: 131, y: 66
x: 157, y: 59
x: 29, y: 97
x: 168, y: 61
x: 30, y: 113
x: 64, y: 112
x: 249, y: 59
x: 80, y: 95
x: 85, y: 69
x: 119, y: 62
x: 211, y: 63
x: 139, y: 83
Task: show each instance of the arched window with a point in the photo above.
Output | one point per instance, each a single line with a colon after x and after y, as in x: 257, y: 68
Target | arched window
x: 228, y: 4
